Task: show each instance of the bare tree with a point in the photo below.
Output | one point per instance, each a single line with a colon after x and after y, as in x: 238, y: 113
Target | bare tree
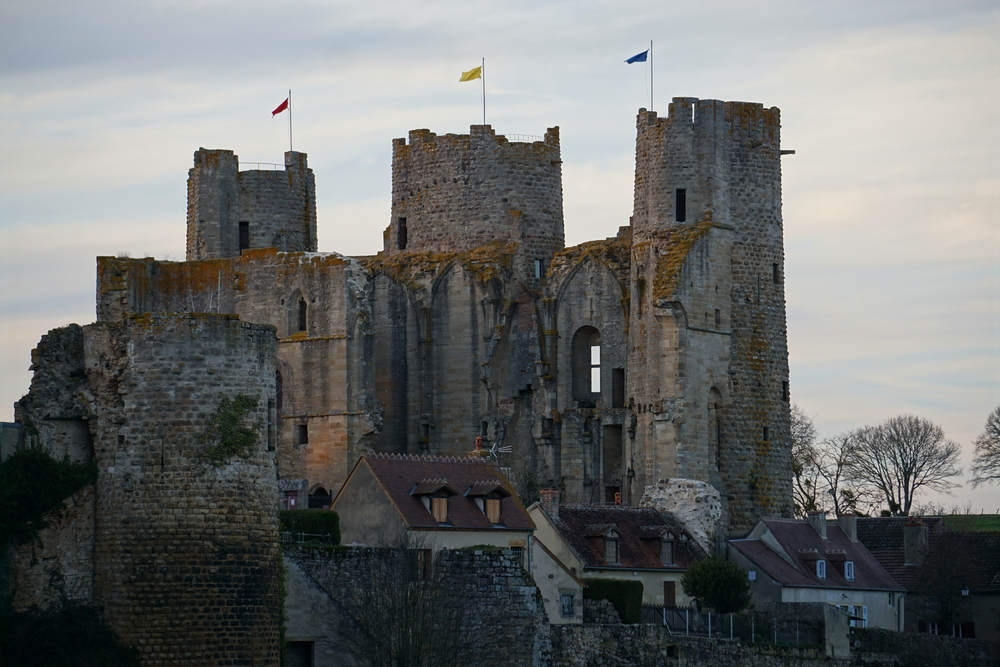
x: 902, y: 456
x: 806, y: 480
x: 835, y: 457
x: 986, y: 462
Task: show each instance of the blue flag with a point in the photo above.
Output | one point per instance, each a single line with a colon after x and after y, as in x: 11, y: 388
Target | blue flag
x: 638, y: 58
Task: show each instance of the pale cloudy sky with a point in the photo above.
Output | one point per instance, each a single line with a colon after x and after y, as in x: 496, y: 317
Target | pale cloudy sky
x: 890, y: 204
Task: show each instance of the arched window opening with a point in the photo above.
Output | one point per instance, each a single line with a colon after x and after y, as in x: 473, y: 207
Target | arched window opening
x: 715, y: 426
x: 320, y: 499
x: 303, y: 321
x: 586, y: 362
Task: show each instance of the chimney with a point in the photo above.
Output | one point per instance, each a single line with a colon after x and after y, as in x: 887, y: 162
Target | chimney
x: 915, y: 544
x: 818, y: 521
x: 549, y: 499
x: 849, y: 524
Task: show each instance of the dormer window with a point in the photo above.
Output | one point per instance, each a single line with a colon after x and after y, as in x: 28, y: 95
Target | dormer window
x: 821, y: 569
x: 849, y: 570
x: 611, y: 547
x: 434, y: 494
x: 667, y: 549
x: 488, y: 495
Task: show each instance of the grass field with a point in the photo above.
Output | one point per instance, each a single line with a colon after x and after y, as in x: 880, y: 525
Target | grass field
x: 973, y: 522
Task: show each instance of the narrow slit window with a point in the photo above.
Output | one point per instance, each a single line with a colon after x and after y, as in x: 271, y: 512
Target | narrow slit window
x: 718, y: 318
x: 680, y: 205
x: 784, y: 391
x: 767, y: 434
x: 244, y: 235
x: 538, y: 268
x: 303, y: 312
x: 401, y: 233
x: 775, y: 274
x: 303, y: 434
x: 595, y: 369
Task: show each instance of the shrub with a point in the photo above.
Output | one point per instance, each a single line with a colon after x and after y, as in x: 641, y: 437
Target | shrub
x: 311, y: 522
x: 626, y: 596
x: 32, y: 483
x: 72, y: 636
x: 719, y: 584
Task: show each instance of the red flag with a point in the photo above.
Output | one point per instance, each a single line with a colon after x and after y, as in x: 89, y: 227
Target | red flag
x: 281, y: 107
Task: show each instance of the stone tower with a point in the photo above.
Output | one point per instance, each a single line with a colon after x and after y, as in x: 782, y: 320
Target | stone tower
x: 454, y: 193
x: 708, y: 365
x: 231, y: 210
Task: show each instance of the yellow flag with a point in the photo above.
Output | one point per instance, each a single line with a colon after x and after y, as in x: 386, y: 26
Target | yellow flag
x: 476, y: 73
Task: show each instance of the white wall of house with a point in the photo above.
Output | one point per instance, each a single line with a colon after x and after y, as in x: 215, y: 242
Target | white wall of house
x: 880, y: 613
x: 554, y: 582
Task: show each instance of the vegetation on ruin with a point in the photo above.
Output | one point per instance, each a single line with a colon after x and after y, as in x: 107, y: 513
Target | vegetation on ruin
x: 228, y: 432
x: 323, y: 525
x: 670, y: 262
x: 32, y: 484
x: 74, y: 635
x: 719, y: 584
x: 625, y: 595
x: 484, y: 262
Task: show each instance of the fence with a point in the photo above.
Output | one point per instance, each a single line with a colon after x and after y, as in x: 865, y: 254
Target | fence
x: 750, y: 628
x: 289, y: 537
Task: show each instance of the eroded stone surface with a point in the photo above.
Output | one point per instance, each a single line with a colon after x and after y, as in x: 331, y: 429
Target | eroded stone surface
x: 697, y: 504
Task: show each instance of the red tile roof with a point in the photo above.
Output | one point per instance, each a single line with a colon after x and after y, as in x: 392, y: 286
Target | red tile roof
x: 401, y: 475
x: 582, y: 525
x: 804, y: 546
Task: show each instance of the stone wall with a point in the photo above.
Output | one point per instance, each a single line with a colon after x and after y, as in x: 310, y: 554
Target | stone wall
x: 278, y: 206
x: 179, y: 552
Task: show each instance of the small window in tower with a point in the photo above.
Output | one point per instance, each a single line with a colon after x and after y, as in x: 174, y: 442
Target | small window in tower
x: 618, y: 387
x: 784, y: 391
x: 767, y: 434
x: 538, y: 268
x: 595, y: 369
x: 244, y: 235
x: 775, y: 274
x: 718, y: 318
x: 680, y: 208
x: 303, y: 320
x: 302, y: 433
x: 401, y: 233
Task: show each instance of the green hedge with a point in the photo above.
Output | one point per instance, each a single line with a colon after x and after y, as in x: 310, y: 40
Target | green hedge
x: 73, y: 636
x: 626, y: 596
x: 311, y: 522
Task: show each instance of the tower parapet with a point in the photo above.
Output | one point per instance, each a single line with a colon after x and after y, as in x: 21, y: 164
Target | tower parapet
x: 457, y: 192
x: 231, y: 210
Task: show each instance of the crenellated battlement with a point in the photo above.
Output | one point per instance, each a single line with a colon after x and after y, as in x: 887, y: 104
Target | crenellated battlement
x: 456, y: 192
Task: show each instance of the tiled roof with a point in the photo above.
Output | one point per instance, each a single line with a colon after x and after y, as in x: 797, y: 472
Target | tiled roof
x: 400, y: 475
x: 582, y: 525
x: 973, y: 556
x: 804, y: 546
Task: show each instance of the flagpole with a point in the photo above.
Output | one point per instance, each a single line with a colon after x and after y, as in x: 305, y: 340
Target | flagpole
x: 651, y: 107
x: 290, y: 120
x: 483, y: 77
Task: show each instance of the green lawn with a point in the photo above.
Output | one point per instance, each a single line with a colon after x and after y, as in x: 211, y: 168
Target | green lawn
x: 973, y: 522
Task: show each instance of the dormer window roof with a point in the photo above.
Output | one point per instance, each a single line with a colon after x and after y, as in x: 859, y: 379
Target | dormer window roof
x: 487, y: 489
x: 433, y: 487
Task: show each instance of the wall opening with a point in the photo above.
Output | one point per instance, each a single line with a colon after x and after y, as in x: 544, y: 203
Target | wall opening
x: 302, y: 434
x: 401, y: 233
x: 715, y: 427
x: 618, y: 387
x: 612, y: 446
x: 244, y: 235
x: 279, y: 390
x: 320, y: 499
x: 680, y: 205
x: 775, y: 274
x: 784, y: 391
x: 586, y: 363
x: 303, y: 316
x: 718, y: 318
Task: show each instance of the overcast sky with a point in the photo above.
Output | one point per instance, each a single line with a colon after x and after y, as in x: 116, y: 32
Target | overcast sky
x: 890, y: 202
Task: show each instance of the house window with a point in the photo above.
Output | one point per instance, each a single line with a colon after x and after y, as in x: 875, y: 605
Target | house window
x: 891, y: 599
x: 439, y: 508
x: 493, y: 510
x: 859, y: 616
x: 518, y: 554
x: 244, y: 235
x: 667, y: 550
x: 567, y: 605
x: 680, y: 205
x: 611, y: 547
x: 821, y: 569
x: 752, y: 575
x: 849, y: 573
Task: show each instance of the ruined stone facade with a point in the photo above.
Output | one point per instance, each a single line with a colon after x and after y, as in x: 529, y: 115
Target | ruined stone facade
x: 180, y: 553
x: 604, y: 367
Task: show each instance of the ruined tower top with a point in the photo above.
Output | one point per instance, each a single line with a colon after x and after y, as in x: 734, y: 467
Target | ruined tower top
x: 707, y: 159
x: 460, y: 191
x: 231, y: 210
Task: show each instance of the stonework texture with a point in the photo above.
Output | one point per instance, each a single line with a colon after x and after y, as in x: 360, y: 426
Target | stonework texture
x: 697, y: 504
x: 601, y: 368
x: 179, y: 551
